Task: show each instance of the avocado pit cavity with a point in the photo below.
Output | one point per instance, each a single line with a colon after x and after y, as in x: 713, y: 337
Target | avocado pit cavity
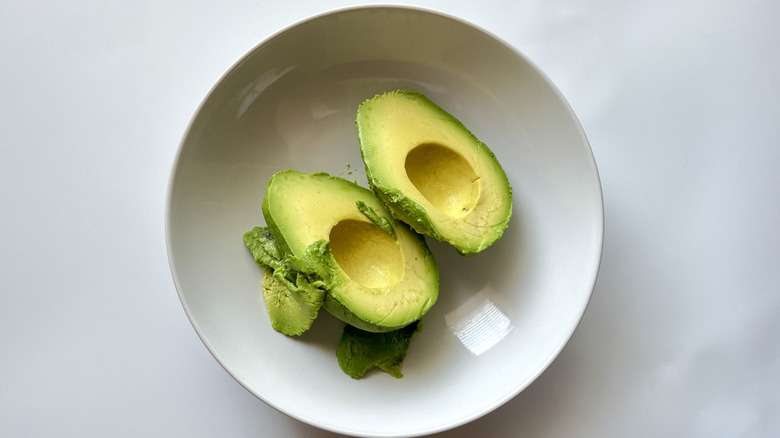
x: 366, y: 253
x: 444, y: 178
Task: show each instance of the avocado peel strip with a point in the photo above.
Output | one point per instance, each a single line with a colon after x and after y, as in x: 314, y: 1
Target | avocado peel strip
x: 379, y: 221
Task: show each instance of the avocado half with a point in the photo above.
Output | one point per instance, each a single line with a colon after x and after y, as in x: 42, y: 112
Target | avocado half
x: 378, y: 275
x: 432, y: 172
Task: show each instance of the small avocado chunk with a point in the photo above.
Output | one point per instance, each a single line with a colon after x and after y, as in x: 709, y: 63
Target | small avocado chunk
x: 359, y: 351
x: 289, y: 311
x: 432, y: 172
x: 293, y: 299
x: 263, y: 247
x: 373, y: 281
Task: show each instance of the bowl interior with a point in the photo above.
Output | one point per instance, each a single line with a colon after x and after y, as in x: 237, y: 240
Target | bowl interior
x: 502, y: 316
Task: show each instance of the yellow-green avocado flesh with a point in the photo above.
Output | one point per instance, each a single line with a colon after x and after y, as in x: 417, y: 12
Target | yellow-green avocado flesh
x: 292, y: 293
x: 432, y: 172
x: 377, y: 274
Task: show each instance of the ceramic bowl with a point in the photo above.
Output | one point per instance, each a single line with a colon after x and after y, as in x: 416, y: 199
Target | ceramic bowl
x: 502, y: 316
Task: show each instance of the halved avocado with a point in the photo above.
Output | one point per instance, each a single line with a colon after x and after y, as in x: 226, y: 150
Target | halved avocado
x: 377, y: 273
x: 432, y: 172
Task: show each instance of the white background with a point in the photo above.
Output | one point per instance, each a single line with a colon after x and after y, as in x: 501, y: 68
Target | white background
x: 681, y: 103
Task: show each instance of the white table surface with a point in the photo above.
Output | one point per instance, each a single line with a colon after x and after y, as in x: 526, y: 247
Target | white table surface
x: 681, y: 103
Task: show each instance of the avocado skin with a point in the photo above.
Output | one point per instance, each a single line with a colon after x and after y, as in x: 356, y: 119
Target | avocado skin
x: 405, y: 209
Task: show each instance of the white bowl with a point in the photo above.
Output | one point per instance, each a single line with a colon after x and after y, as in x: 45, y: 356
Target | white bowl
x: 290, y: 103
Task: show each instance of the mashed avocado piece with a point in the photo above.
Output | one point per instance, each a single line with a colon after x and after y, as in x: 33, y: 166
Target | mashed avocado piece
x: 359, y: 350
x: 292, y: 296
x: 288, y: 312
x: 379, y: 221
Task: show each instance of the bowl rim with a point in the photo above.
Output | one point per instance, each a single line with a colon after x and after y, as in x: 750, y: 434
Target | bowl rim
x: 591, y: 282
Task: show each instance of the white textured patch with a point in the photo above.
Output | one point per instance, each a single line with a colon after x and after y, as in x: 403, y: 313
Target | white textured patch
x: 479, y: 324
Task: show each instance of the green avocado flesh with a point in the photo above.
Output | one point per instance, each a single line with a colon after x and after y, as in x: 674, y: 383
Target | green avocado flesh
x: 336, y: 236
x: 359, y: 351
x: 330, y: 243
x: 292, y: 297
x: 432, y: 172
